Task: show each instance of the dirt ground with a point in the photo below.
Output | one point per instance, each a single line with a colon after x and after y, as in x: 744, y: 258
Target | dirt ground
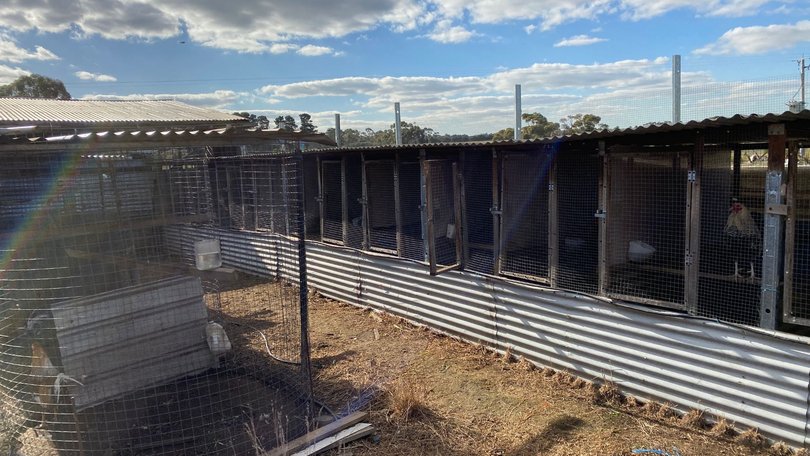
x: 465, y: 400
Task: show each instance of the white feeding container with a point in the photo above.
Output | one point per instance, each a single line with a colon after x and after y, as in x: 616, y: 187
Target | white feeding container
x: 207, y: 254
x: 639, y: 251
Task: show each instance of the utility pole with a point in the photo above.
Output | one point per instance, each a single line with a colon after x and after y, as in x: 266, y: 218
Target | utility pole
x: 337, y: 129
x: 804, y: 69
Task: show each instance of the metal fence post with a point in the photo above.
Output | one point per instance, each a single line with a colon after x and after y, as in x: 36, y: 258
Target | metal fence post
x: 773, y: 230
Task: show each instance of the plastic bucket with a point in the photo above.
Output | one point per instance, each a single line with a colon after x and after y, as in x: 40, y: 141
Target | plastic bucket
x: 207, y: 254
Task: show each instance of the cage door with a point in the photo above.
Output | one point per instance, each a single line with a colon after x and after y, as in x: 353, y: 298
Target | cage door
x: 796, y: 300
x: 332, y: 201
x: 443, y: 206
x: 381, y: 206
x: 646, y: 227
x: 525, y: 216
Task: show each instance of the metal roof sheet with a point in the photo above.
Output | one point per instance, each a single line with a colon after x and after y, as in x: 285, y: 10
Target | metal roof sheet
x: 651, y: 128
x: 23, y: 111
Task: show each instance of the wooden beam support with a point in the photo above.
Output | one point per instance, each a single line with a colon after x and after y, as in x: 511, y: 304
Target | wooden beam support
x: 692, y: 240
x: 790, y: 232
x: 553, y: 225
x: 602, y: 214
x: 496, y: 212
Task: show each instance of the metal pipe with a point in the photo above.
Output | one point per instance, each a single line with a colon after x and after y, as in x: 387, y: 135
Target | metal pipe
x: 676, y: 88
x: 518, y: 113
x: 337, y: 129
x: 397, y: 125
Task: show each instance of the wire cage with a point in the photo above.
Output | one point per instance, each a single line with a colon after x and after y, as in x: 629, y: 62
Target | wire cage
x: 382, y: 205
x: 731, y: 209
x: 576, y: 187
x: 478, y: 205
x: 410, y: 203
x: 525, y: 215
x: 129, y: 320
x: 646, y: 222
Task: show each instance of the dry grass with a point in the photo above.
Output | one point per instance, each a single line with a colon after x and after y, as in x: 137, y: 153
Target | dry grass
x: 723, y: 428
x: 407, y: 400
x: 693, y: 419
x: 752, y: 438
x: 781, y: 449
x: 437, y: 395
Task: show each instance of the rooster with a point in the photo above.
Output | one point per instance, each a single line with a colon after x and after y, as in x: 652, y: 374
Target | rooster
x: 743, y: 237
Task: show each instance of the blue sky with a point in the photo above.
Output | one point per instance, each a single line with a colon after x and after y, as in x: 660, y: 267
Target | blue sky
x: 451, y: 64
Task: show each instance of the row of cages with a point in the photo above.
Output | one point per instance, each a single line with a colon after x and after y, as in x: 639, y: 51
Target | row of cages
x: 674, y: 229
x: 115, y: 340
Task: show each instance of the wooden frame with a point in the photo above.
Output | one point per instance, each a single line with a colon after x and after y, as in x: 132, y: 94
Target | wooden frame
x: 435, y: 269
x: 790, y: 238
x: 323, y: 202
x: 367, y: 215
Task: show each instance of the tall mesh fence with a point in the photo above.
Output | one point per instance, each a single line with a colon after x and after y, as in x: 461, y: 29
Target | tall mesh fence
x: 130, y: 321
x: 480, y: 247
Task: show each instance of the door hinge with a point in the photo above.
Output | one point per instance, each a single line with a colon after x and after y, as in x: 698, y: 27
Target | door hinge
x: 691, y: 176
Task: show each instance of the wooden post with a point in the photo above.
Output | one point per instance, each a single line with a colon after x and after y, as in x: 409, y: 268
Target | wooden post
x: 364, y: 220
x: 790, y: 232
x: 692, y: 234
x: 553, y: 225
x: 320, y: 195
x: 458, y: 214
x: 772, y: 261
x: 344, y: 203
x: 465, y: 241
x: 397, y: 206
x: 602, y: 214
x: 496, y: 212
x: 423, y: 184
x: 428, y: 211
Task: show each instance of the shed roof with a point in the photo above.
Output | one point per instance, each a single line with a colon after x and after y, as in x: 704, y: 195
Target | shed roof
x: 22, y: 111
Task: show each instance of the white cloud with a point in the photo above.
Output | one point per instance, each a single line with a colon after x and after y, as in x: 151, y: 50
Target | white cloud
x: 446, y: 32
x: 218, y: 99
x: 8, y: 74
x: 10, y: 52
x: 759, y: 39
x: 529, y: 29
x: 579, y: 40
x: 88, y: 76
x: 310, y: 50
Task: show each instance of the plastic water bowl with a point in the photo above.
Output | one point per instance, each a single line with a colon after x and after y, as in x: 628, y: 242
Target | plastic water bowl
x: 207, y: 254
x: 639, y: 251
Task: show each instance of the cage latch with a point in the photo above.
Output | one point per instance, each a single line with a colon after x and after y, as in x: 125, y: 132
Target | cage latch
x: 495, y: 211
x: 319, y: 199
x: 688, y: 259
x: 776, y: 209
x: 691, y: 175
x: 601, y: 214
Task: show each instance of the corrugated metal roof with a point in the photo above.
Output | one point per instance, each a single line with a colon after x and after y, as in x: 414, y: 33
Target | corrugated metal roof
x: 651, y: 128
x: 19, y: 111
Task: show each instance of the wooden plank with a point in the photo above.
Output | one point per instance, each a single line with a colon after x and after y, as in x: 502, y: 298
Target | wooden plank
x: 358, y: 431
x: 364, y: 220
x: 344, y: 202
x: 318, y: 435
x: 790, y: 231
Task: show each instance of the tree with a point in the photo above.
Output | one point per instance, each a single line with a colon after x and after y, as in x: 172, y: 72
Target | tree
x: 507, y: 134
x: 35, y: 86
x: 581, y: 123
x: 306, y: 124
x: 538, y: 126
x: 260, y: 121
x: 286, y: 123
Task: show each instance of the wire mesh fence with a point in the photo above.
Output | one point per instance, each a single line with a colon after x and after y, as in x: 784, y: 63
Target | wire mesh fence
x: 382, y: 205
x: 480, y: 246
x: 121, y: 331
x: 410, y: 196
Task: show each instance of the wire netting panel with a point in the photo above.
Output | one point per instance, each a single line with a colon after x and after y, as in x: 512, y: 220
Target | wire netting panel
x: 382, y: 221
x: 800, y: 305
x: 524, y: 205
x: 410, y: 199
x: 354, y: 201
x: 578, y: 201
x: 332, y: 194
x: 442, y: 204
x: 113, y: 341
x: 279, y: 205
x: 478, y: 192
x: 731, y: 238
x: 646, y: 226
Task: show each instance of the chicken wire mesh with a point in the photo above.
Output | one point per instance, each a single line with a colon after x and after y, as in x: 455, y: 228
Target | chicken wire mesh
x: 443, y: 207
x: 355, y: 203
x: 479, y: 237
x: 119, y: 333
x: 799, y: 289
x: 382, y: 206
x: 410, y: 200
x: 646, y: 220
x: 332, y: 201
x: 577, y: 181
x: 731, y: 208
x: 524, y: 219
